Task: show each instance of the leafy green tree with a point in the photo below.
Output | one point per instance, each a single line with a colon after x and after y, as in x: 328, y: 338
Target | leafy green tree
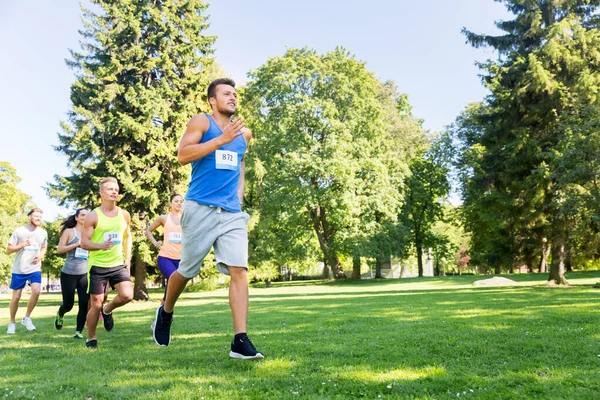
x: 265, y: 271
x: 547, y: 73
x: 140, y: 76
x: 324, y: 146
x: 404, y: 141
x: 12, y: 214
x: 427, y: 188
x: 450, y: 242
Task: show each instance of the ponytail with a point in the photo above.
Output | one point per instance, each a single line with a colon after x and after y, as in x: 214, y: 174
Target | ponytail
x: 70, y: 221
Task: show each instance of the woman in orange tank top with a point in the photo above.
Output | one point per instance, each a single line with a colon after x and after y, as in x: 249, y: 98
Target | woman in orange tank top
x: 170, y: 247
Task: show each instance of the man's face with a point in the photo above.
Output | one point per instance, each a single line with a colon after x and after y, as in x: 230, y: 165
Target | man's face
x: 110, y: 191
x: 35, y: 218
x: 225, y: 99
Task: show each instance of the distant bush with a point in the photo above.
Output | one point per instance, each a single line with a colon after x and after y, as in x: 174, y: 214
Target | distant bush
x: 209, y: 284
x: 586, y: 264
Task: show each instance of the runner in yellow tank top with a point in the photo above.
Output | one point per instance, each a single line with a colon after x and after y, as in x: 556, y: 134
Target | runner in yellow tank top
x: 106, y: 234
x: 170, y: 247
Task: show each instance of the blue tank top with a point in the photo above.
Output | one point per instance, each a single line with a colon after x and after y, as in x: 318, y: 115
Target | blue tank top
x: 215, y: 177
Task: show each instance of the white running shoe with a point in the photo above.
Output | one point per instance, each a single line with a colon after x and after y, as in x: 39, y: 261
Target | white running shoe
x: 12, y: 328
x: 26, y: 322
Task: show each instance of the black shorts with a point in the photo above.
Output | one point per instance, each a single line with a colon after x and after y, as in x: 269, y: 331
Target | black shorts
x: 101, y: 277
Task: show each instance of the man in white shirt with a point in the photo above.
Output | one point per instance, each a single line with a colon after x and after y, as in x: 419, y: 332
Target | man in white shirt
x: 29, y: 242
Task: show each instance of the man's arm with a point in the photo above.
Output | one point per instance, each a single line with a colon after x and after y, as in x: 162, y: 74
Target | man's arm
x: 247, y: 136
x: 90, y: 223
x: 13, y: 248
x: 190, y: 149
x: 14, y: 245
x: 241, y: 182
x: 41, y: 255
x: 43, y: 252
x: 127, y: 240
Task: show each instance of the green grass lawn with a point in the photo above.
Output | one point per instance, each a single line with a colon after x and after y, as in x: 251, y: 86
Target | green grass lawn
x: 426, y: 338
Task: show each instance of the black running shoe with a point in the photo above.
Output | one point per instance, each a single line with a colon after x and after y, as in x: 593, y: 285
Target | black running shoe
x: 161, y: 329
x: 244, y: 349
x: 108, y: 320
x: 91, y: 344
x: 58, y: 321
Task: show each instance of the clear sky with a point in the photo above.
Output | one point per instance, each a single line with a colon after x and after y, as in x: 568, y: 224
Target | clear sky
x: 416, y: 43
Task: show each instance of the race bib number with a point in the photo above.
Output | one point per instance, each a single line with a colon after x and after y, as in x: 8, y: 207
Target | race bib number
x: 116, y: 237
x: 31, y: 247
x: 174, y: 237
x: 226, y: 160
x: 81, y: 253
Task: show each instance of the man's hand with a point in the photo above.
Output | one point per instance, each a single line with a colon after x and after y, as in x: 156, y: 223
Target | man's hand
x: 37, y: 259
x: 233, y: 130
x: 26, y: 243
x: 158, y: 243
x: 107, y: 245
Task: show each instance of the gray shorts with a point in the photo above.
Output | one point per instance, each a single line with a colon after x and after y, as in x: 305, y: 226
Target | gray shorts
x: 203, y: 227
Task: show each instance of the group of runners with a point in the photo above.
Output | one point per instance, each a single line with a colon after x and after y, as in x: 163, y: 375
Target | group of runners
x: 98, y: 243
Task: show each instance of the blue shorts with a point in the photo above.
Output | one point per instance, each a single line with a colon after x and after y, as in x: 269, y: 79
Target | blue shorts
x: 18, y: 281
x: 167, y: 266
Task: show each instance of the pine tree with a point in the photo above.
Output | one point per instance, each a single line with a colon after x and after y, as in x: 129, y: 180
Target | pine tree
x: 141, y: 75
x: 514, y: 190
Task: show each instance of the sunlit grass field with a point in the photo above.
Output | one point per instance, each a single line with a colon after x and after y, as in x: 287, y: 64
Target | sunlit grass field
x: 423, y: 338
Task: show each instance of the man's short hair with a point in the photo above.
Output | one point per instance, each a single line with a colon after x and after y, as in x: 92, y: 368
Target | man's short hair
x: 212, y: 88
x: 106, y: 180
x: 34, y: 210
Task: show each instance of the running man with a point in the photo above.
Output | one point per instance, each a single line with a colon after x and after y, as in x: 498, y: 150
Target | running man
x: 73, y: 276
x: 212, y: 214
x: 30, y: 243
x: 170, y: 247
x: 106, y: 235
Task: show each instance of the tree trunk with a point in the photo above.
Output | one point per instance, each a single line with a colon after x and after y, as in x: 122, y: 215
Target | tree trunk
x: 546, y: 249
x: 48, y: 282
x: 548, y: 13
x: 569, y: 259
x: 419, y: 247
x: 336, y: 267
x: 325, y: 270
x: 378, y: 265
x: 140, y: 291
x: 557, y: 268
x: 325, y: 236
x: 355, y: 266
x: 436, y: 266
x: 529, y: 257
